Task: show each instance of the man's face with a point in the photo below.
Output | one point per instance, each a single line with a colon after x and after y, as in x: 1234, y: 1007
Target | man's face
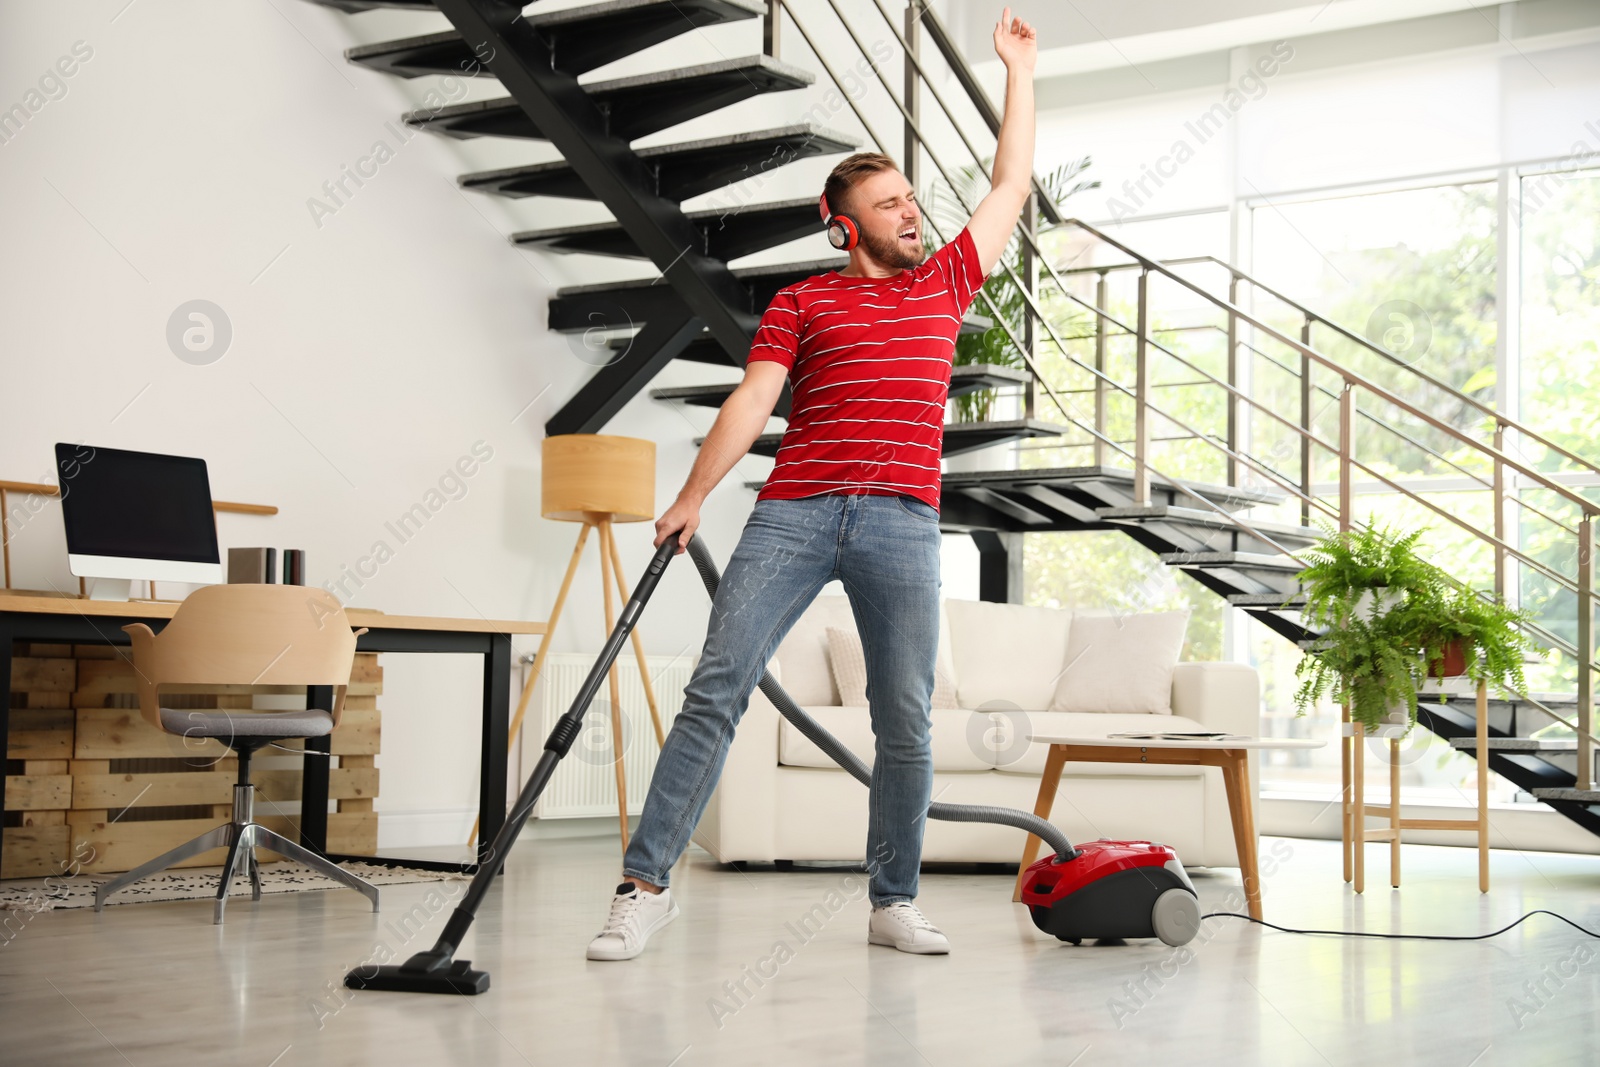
x: 886, y: 208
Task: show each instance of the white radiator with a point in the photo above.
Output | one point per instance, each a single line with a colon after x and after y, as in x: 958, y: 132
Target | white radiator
x: 584, y: 783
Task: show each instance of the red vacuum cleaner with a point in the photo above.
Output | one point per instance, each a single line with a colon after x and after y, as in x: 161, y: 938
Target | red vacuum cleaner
x: 1105, y: 889
x: 1113, y: 890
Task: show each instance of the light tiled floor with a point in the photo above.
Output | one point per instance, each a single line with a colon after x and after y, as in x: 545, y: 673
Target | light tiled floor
x: 157, y: 983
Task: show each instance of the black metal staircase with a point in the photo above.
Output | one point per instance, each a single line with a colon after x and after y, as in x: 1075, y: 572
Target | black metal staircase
x: 701, y: 310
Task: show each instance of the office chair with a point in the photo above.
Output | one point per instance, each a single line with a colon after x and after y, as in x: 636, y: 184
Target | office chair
x: 245, y: 635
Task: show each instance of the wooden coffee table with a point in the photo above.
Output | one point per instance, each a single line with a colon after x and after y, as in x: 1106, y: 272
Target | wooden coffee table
x: 1231, y: 755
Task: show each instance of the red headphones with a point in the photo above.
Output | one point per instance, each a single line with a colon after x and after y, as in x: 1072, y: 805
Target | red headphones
x: 843, y: 233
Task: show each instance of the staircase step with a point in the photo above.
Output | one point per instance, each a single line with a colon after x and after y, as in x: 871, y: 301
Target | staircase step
x: 681, y: 170
x: 962, y: 437
x: 1279, y: 601
x: 958, y: 436
x: 1517, y: 744
x: 703, y: 396
x: 1576, y: 796
x: 580, y: 38
x: 1037, y: 498
x: 963, y: 379
x: 635, y: 106
x: 1089, y: 487
x: 1255, y: 561
x: 1289, y: 535
x: 727, y: 232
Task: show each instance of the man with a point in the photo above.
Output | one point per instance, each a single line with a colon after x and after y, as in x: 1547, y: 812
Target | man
x: 854, y: 496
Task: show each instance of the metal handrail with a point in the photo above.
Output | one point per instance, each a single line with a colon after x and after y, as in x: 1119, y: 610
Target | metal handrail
x: 1485, y: 483
x: 1502, y: 419
x: 1350, y: 377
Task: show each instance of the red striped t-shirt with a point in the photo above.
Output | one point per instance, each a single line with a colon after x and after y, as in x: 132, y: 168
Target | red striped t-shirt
x: 869, y: 368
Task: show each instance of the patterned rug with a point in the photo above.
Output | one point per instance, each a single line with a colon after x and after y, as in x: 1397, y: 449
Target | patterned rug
x: 195, y: 883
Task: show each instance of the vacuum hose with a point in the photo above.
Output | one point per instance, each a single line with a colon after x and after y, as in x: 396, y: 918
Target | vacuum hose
x: 1045, y: 831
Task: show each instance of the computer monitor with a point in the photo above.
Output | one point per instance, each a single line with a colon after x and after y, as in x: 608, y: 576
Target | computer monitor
x: 136, y: 515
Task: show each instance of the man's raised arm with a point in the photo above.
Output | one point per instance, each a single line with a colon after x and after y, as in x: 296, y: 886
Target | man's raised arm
x: 1016, y: 43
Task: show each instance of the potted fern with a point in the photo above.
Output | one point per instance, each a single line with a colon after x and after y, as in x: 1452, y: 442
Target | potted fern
x: 1460, y: 632
x: 1390, y: 620
x: 1356, y: 585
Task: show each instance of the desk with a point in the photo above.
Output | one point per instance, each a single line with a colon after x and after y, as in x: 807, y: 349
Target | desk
x: 1230, y: 755
x: 67, y: 619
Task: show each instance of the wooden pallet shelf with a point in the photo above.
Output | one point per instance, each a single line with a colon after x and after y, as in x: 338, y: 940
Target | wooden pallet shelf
x: 91, y: 786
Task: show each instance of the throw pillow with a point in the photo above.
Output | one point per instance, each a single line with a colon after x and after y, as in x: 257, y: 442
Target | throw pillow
x: 1121, y: 663
x: 1007, y: 654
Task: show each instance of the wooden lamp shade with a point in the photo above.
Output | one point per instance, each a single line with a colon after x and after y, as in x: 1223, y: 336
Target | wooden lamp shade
x: 585, y: 473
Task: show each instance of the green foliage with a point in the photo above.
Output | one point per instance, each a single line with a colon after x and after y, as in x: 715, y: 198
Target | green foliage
x: 1492, y: 634
x: 1386, y: 616
x: 1561, y: 310
x: 1362, y: 657
x: 1343, y: 566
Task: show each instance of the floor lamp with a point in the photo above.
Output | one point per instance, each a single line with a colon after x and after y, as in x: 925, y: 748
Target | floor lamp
x: 597, y: 480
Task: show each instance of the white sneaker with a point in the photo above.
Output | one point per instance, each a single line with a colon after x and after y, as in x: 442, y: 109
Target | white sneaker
x: 903, y: 927
x: 635, y: 915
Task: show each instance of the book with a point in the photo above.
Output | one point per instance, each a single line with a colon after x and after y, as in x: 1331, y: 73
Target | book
x: 252, y: 566
x: 1180, y: 735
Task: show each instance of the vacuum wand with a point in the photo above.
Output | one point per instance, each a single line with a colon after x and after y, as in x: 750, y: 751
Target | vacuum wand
x: 437, y: 970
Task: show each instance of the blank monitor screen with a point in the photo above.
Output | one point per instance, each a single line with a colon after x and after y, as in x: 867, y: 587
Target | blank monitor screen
x: 136, y: 505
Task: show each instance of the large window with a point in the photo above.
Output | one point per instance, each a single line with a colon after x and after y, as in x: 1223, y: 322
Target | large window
x: 1415, y: 272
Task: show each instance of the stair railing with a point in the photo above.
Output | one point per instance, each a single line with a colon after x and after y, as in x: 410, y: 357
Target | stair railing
x: 1505, y: 428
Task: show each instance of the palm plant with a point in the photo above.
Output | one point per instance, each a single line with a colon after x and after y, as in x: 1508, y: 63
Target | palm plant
x: 949, y: 205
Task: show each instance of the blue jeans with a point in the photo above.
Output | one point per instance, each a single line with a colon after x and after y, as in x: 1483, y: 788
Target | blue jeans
x: 885, y: 550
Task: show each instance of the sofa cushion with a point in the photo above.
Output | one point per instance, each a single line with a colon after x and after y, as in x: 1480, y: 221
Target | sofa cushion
x: 1121, y: 663
x: 1015, y: 754
x: 1008, y: 654
x: 952, y: 748
x: 804, y: 650
x: 849, y: 662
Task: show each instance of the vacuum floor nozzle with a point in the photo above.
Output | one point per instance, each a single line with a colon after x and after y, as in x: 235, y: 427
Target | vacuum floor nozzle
x: 456, y: 979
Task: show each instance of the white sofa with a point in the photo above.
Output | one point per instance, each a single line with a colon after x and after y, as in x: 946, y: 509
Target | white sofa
x: 780, y: 798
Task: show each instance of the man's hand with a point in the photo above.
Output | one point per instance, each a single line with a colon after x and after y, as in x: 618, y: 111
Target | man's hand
x: 682, y: 518
x: 1016, y: 43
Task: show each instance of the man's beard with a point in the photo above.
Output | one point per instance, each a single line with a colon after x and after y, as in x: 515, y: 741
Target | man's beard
x: 893, y: 252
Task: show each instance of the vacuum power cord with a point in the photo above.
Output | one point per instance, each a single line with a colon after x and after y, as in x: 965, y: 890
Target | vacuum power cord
x: 1402, y: 937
